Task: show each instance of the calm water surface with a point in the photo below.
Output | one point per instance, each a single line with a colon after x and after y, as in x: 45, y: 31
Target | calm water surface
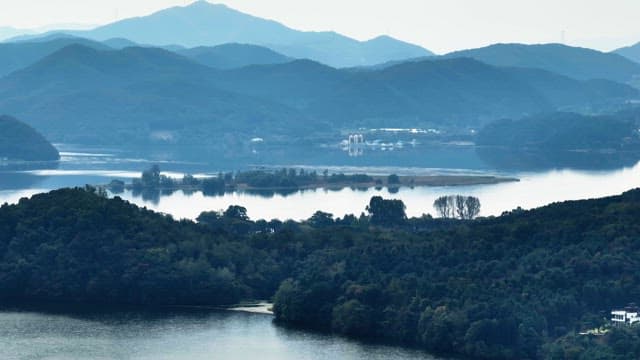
x: 173, y: 336
x: 535, y: 188
x: 228, y: 335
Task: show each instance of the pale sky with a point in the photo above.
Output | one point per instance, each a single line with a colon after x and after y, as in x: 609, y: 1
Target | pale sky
x: 438, y: 25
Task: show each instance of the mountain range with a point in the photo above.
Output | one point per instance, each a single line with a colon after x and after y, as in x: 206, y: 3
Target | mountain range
x: 206, y: 24
x: 18, y: 55
x: 88, y: 95
x: 573, y: 62
x: 577, y: 63
x: 207, y: 74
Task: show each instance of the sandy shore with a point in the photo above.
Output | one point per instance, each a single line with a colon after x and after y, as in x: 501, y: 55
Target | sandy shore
x: 262, y: 307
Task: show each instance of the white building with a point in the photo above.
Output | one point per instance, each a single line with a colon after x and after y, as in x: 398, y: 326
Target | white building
x: 627, y: 316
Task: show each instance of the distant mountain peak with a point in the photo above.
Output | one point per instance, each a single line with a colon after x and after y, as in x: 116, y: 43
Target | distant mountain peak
x: 202, y: 23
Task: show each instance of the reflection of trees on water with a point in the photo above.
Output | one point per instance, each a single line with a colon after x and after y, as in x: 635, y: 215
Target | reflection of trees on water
x: 153, y: 195
x: 515, y: 159
x: 149, y: 195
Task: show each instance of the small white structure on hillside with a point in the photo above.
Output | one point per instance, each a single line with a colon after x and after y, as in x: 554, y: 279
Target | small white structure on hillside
x: 627, y: 316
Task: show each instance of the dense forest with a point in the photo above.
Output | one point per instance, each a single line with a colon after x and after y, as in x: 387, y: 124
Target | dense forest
x: 19, y: 141
x: 516, y: 286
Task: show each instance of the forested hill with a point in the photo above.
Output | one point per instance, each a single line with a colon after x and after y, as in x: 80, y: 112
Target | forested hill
x: 19, y: 141
x: 516, y: 286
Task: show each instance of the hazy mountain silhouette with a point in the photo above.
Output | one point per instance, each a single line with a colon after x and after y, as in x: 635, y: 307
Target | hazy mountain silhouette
x: 134, y: 95
x: 630, y: 52
x: 18, y: 55
x: 19, y: 141
x: 577, y: 63
x: 119, y: 43
x: 7, y: 32
x: 138, y: 94
x: 231, y: 56
x: 205, y: 24
x: 441, y: 91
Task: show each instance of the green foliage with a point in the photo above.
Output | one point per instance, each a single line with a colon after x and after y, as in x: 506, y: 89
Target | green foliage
x: 457, y: 206
x: 386, y: 212
x: 512, y: 287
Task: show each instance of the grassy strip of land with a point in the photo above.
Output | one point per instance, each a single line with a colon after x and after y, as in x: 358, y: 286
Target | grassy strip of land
x: 292, y: 179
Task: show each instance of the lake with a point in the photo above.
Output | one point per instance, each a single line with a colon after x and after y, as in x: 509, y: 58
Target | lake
x: 173, y: 335
x: 537, y: 187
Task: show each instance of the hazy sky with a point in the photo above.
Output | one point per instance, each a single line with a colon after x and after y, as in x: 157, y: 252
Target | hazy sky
x: 439, y: 25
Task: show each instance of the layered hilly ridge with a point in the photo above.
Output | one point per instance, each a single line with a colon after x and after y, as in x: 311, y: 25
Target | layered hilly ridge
x: 577, y: 63
x: 458, y: 91
x: 231, y: 56
x: 18, y: 55
x: 205, y: 24
x: 83, y: 95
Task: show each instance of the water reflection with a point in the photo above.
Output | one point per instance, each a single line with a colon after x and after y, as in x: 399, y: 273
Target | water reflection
x: 535, y: 189
x: 16, y: 176
x: 88, y: 333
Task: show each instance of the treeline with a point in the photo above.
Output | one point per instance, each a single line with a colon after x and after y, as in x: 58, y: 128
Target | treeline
x: 457, y: 206
x: 152, y: 180
x: 518, y: 286
x: 621, y: 343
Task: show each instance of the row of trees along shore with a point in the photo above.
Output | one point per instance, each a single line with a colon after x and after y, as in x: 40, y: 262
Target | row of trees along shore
x: 518, y: 286
x: 282, y: 178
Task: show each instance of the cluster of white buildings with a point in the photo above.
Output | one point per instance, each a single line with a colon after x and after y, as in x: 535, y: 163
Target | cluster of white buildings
x: 627, y: 316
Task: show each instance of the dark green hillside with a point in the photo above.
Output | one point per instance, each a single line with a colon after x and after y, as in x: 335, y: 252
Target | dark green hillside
x: 493, y: 289
x: 516, y: 286
x: 19, y: 141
